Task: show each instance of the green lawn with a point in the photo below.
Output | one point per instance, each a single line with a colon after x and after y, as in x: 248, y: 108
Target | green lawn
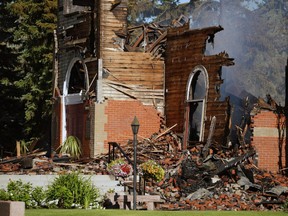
x: 54, y: 212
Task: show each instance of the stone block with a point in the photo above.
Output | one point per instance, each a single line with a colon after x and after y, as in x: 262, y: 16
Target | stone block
x: 12, y: 208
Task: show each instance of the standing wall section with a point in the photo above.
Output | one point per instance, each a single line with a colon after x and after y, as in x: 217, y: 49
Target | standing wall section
x: 269, y: 147
x: 76, y: 39
x: 130, y: 83
x: 185, y: 50
x: 120, y: 116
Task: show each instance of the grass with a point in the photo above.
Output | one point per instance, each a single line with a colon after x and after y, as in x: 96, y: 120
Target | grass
x: 80, y: 212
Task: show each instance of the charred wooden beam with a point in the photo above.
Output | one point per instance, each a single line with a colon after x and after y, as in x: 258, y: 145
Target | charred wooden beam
x: 115, y: 4
x: 205, y: 150
x: 234, y: 162
x: 84, y: 2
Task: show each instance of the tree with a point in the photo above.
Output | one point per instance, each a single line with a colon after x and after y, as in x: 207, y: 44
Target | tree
x: 33, y: 40
x: 268, y: 51
x: 12, y: 118
x: 261, y: 62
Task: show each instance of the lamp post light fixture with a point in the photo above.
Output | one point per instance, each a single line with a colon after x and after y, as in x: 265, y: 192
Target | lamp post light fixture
x: 135, y: 127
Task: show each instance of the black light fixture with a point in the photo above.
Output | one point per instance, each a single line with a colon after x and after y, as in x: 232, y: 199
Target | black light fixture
x: 135, y: 127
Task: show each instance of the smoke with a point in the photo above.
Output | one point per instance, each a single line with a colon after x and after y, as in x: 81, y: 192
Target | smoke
x: 256, y: 71
x: 258, y: 50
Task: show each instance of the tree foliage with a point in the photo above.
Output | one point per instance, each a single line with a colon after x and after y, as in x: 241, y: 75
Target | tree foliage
x: 12, y: 118
x: 267, y: 51
x: 30, y: 37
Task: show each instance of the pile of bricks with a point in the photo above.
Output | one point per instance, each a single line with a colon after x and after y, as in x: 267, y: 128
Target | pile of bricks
x: 229, y: 190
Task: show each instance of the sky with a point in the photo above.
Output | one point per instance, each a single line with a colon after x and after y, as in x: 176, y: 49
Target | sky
x: 184, y: 1
x: 251, y: 5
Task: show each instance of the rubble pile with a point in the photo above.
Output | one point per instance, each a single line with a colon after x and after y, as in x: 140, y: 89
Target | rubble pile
x: 226, y: 179
x: 40, y: 164
x: 194, y: 185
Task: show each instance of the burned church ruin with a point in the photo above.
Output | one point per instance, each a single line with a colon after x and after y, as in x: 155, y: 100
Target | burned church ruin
x: 106, y: 73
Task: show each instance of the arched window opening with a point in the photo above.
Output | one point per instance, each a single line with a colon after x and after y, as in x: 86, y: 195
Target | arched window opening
x: 196, y: 94
x: 77, y: 78
x: 197, y: 88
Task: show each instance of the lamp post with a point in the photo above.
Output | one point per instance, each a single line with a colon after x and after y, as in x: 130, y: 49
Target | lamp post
x: 135, y: 127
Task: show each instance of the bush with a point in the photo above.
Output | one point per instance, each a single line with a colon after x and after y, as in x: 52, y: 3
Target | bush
x: 38, y: 196
x: 71, y: 146
x: 19, y: 191
x: 67, y: 191
x: 4, y: 195
x: 73, y: 191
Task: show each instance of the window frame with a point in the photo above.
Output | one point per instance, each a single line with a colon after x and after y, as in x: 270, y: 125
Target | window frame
x: 189, y: 101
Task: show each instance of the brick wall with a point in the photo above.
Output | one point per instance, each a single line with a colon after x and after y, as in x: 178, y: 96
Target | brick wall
x: 120, y: 115
x: 266, y: 140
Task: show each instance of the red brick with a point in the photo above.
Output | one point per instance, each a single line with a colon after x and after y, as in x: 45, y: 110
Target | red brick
x: 267, y: 147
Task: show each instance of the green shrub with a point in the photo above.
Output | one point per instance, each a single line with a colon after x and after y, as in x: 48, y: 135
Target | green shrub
x: 19, y: 191
x: 67, y: 191
x: 71, y: 146
x: 62, y: 195
x: 4, y: 195
x: 38, y: 196
x: 73, y: 191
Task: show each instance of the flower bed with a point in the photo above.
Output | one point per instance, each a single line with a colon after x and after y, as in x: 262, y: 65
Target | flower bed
x: 152, y: 170
x: 120, y: 168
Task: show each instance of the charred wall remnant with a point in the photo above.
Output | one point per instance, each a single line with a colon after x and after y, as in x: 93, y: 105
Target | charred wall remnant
x: 192, y: 85
x: 75, y: 67
x: 95, y: 74
x: 76, y: 35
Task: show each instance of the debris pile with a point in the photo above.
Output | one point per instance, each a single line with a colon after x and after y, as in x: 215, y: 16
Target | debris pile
x: 39, y: 164
x: 219, y: 184
x: 224, y: 179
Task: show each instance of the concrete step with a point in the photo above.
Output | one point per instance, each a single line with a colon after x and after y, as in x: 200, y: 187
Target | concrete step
x: 147, y: 202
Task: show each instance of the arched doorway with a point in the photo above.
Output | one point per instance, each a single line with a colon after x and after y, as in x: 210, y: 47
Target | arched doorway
x: 74, y: 114
x: 196, y: 94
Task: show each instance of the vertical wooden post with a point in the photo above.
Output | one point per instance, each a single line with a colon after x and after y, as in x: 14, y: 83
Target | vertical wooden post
x: 18, y: 148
